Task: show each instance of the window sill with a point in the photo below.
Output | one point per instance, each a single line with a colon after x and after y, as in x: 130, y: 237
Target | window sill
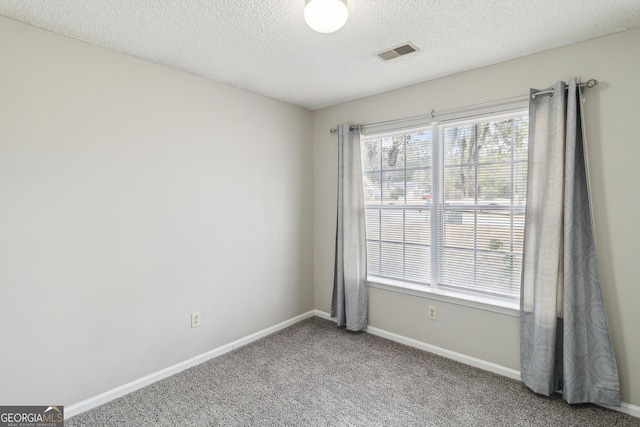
x: 479, y: 302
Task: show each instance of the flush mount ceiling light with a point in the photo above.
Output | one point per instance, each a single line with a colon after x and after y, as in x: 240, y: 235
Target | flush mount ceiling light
x: 326, y: 16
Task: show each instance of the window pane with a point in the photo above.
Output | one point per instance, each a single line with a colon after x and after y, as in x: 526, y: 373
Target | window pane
x: 391, y: 226
x: 373, y: 257
x: 418, y: 261
x: 459, y: 147
x: 370, y: 157
x: 494, y: 183
x: 520, y: 183
x: 498, y: 273
x: 459, y: 184
x: 482, y: 250
x: 486, y: 273
x: 418, y: 160
x: 393, y: 187
x: 418, y: 150
x: 419, y: 187
x: 418, y: 227
x: 521, y: 138
x: 518, y: 232
x: 494, y: 141
x: 393, y: 152
x: 392, y: 260
x: 501, y: 231
x: 458, y: 268
x: 372, y: 222
x: 459, y: 229
x: 371, y: 187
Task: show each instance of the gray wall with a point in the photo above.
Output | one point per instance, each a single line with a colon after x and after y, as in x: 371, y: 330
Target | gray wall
x: 612, y: 111
x: 130, y: 196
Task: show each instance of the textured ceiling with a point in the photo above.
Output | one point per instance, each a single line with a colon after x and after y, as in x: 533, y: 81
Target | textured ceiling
x: 264, y: 46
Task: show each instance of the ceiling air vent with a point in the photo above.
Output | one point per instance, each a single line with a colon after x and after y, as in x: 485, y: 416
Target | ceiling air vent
x: 397, y: 51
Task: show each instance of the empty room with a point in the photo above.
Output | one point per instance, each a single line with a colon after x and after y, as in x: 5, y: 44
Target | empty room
x: 319, y: 212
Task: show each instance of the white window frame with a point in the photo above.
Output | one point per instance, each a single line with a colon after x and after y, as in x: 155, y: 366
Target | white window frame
x: 433, y: 291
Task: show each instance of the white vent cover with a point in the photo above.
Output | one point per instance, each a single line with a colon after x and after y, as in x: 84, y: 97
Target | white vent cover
x: 398, y: 51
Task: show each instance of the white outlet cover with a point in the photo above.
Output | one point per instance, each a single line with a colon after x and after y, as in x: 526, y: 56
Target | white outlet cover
x: 195, y: 319
x: 432, y: 312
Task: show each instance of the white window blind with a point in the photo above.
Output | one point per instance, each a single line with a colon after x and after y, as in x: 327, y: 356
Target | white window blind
x: 445, y: 204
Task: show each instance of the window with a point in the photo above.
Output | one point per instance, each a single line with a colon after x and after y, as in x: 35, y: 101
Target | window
x: 445, y: 204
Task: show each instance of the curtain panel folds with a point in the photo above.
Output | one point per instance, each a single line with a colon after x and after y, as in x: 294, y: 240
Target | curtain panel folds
x: 349, y: 301
x: 564, y: 333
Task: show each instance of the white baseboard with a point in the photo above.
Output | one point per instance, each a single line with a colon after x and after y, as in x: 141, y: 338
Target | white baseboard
x: 459, y: 357
x: 453, y: 355
x: 322, y: 314
x: 625, y: 408
x: 92, y: 402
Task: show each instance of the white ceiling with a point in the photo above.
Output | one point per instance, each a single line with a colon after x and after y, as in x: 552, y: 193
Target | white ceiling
x: 264, y: 46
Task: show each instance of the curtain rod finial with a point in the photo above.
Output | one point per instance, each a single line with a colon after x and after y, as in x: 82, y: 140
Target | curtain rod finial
x: 591, y: 83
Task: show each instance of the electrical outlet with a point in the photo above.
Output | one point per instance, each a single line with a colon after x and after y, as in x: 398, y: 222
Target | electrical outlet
x: 432, y: 314
x: 195, y: 319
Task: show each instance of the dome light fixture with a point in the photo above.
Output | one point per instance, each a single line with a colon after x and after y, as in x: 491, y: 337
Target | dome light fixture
x: 326, y: 16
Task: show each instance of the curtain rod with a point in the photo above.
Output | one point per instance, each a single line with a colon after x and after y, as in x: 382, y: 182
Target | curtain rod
x: 589, y: 84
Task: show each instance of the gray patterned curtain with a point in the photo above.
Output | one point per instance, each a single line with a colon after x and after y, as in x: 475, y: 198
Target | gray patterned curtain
x: 349, y: 302
x: 565, y: 342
